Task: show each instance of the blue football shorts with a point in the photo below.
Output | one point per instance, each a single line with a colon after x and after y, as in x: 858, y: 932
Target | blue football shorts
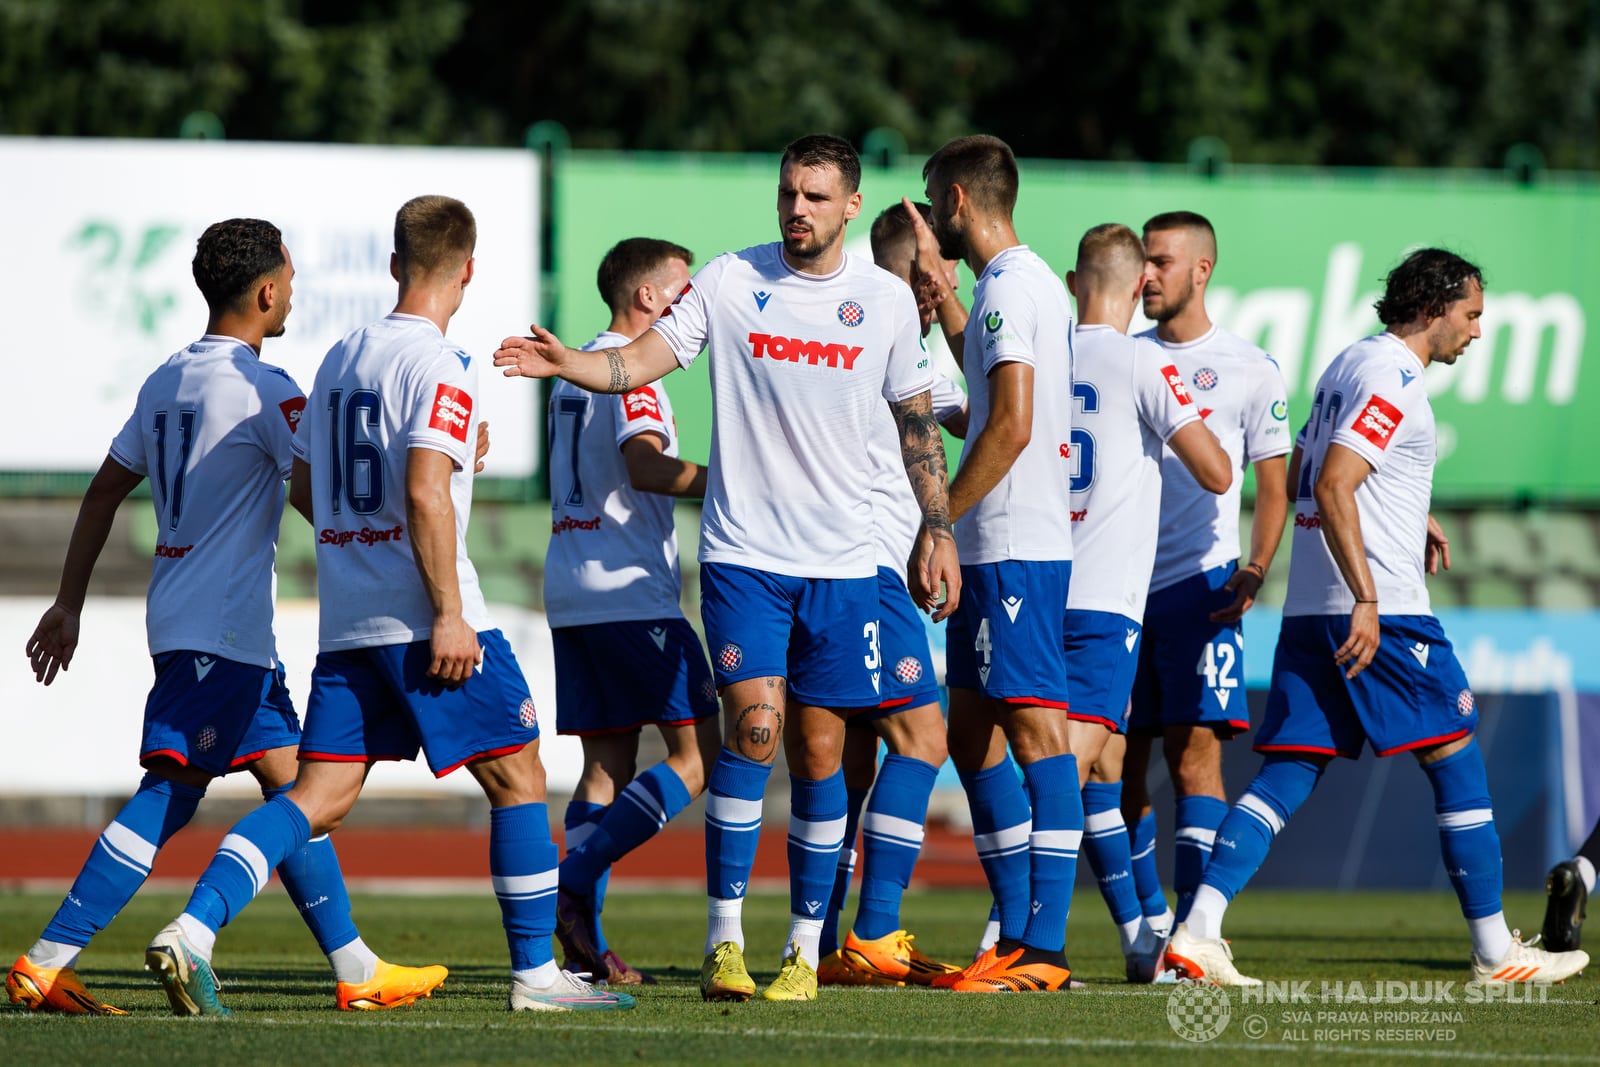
x: 821, y: 634
x: 1191, y: 670
x: 906, y: 679
x: 614, y: 677
x: 1102, y: 651
x: 378, y: 703
x: 1413, y: 694
x: 216, y: 714
x: 1006, y: 638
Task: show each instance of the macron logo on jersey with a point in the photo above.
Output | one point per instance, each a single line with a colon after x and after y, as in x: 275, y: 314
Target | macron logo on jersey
x: 761, y: 300
x: 642, y: 404
x: 1378, y: 421
x: 452, y: 410
x: 1176, y: 384
x: 795, y: 349
x: 291, y: 412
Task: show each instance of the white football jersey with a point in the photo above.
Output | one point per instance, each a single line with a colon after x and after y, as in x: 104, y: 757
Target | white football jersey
x: 613, y: 549
x: 800, y: 368
x: 1020, y: 314
x: 1130, y: 401
x: 385, y: 389
x: 896, y: 515
x: 1370, y: 400
x: 1239, y: 391
x: 213, y: 431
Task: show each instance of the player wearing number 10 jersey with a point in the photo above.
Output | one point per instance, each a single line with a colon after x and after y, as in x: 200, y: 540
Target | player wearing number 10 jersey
x: 407, y: 658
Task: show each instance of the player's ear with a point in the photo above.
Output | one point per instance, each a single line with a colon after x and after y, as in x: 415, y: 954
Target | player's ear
x: 468, y: 270
x: 394, y: 265
x: 267, y: 295
x: 1072, y: 284
x: 852, y: 206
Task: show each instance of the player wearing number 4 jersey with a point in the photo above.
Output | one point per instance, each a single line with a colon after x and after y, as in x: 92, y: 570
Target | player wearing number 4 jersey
x: 212, y: 430
x: 1361, y: 660
x: 1189, y: 689
x: 1131, y: 402
x: 805, y: 344
x: 625, y: 657
x: 408, y: 659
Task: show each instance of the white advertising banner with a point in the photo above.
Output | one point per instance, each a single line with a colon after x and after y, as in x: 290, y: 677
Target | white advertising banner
x: 98, y: 237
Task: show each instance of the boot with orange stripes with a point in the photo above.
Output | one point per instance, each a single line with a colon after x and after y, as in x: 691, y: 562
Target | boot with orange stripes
x: 1021, y: 970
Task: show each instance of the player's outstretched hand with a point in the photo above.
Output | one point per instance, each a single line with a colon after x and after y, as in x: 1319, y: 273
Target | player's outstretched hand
x: 54, y: 641
x: 1438, y: 548
x: 1245, y: 585
x: 539, y: 355
x: 483, y: 446
x: 455, y: 650
x: 934, y: 570
x: 1362, y: 644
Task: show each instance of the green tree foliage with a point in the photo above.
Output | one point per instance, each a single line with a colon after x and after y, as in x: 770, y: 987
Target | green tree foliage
x: 1367, y: 82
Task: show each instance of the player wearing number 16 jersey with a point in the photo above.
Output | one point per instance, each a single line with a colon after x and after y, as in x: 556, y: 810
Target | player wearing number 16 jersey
x: 1361, y: 660
x: 408, y: 659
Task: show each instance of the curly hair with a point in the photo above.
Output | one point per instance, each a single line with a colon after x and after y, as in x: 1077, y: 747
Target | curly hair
x: 1425, y: 283
x: 231, y: 256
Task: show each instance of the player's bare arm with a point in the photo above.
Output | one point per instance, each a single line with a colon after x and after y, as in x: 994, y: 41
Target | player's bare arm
x: 300, y: 489
x: 431, y: 522
x: 933, y: 558
x: 606, y: 370
x: 1291, y: 478
x: 651, y: 470
x: 1001, y: 440
x: 1437, y: 551
x: 1266, y: 531
x: 1203, y: 456
x: 55, y: 639
x: 1343, y: 470
x: 483, y: 447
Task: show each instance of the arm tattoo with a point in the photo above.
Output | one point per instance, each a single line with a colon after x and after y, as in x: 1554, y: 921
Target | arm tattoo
x: 922, y: 448
x: 620, y: 379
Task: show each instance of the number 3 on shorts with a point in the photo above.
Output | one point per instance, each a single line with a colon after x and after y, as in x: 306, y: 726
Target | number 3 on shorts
x: 873, y: 657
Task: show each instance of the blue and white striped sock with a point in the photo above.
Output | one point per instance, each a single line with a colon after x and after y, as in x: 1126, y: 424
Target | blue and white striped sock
x: 522, y: 866
x: 816, y: 834
x: 1198, y: 818
x: 1105, y: 846
x: 1052, y: 848
x: 891, y: 838
x: 242, y: 867
x: 1001, y: 823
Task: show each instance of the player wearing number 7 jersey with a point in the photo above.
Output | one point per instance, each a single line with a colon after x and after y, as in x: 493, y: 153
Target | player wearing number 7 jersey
x: 408, y: 658
x: 213, y: 430
x: 1361, y: 660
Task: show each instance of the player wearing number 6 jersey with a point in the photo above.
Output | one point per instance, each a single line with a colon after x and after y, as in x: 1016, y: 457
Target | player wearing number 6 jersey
x: 1361, y: 660
x: 408, y: 657
x: 1132, y: 404
x: 213, y: 431
x: 625, y: 656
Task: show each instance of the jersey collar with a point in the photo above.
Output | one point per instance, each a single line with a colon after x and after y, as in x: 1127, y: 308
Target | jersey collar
x: 226, y: 339
x: 401, y: 316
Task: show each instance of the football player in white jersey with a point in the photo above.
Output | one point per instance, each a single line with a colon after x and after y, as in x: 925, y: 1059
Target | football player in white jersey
x: 625, y: 656
x: 877, y: 950
x: 212, y: 430
x: 806, y: 343
x: 1011, y: 500
x: 1361, y: 659
x: 1131, y: 401
x: 1189, y: 689
x: 408, y: 659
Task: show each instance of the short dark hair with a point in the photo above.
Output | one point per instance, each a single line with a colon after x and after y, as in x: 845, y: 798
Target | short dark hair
x: 629, y: 263
x: 1425, y: 283
x: 432, y: 234
x: 983, y: 165
x: 892, y: 227
x: 826, y: 150
x: 1108, y: 248
x: 231, y: 257
x: 1182, y: 220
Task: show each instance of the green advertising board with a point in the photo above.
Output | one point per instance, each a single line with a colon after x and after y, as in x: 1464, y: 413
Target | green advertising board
x: 1302, y: 257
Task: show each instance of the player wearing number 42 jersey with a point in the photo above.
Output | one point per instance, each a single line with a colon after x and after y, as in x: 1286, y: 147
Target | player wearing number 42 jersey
x: 408, y: 659
x: 1361, y: 660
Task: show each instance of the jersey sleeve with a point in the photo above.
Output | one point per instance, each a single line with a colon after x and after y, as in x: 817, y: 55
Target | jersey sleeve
x: 127, y: 448
x: 948, y: 397
x: 276, y: 426
x: 644, y: 410
x: 1266, y: 415
x: 1007, y: 324
x: 686, y: 322
x: 441, y: 416
x: 1160, y: 394
x: 1379, y: 418
x: 909, y: 371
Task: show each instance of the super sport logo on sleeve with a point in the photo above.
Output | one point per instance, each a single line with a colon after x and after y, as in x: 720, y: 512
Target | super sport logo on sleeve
x: 291, y: 412
x: 452, y: 410
x: 642, y: 404
x: 1176, y: 384
x: 1377, y: 421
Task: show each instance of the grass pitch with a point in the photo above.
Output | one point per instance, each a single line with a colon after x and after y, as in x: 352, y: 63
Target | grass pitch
x: 282, y: 992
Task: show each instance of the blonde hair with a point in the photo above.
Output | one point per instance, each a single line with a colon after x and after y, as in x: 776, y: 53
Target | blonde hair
x: 433, y: 235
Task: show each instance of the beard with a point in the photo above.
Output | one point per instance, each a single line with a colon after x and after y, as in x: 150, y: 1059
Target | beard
x: 810, y: 245
x: 952, y: 243
x: 1168, y: 304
